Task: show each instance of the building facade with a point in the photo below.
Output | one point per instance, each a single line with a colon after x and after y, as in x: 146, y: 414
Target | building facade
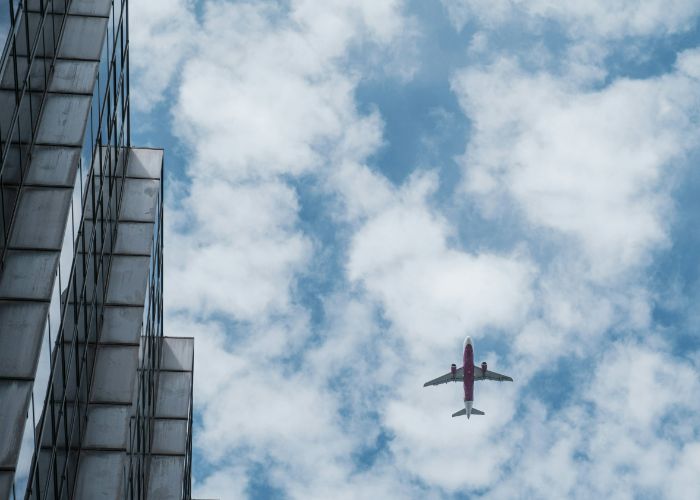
x: 95, y: 401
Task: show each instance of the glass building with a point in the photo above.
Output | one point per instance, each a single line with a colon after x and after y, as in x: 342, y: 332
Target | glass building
x: 95, y: 402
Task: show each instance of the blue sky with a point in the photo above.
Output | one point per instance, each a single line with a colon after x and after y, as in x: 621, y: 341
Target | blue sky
x: 353, y: 187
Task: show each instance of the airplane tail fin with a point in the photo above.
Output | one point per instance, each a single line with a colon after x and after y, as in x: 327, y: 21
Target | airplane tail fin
x: 463, y: 412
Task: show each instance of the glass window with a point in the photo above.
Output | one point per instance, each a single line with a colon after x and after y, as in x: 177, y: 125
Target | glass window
x: 4, y: 22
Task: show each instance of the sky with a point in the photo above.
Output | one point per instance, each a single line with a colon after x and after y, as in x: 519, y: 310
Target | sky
x: 352, y: 187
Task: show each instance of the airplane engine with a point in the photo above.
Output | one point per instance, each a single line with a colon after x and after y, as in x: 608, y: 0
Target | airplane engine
x: 453, y: 369
x: 483, y: 367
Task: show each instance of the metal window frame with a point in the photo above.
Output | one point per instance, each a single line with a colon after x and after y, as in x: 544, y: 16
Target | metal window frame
x: 141, y: 423
x: 101, y: 196
x: 23, y: 96
x: 59, y: 428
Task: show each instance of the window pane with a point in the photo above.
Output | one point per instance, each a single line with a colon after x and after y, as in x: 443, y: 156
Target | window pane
x: 4, y: 22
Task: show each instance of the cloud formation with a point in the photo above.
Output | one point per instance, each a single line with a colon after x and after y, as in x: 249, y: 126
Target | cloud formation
x: 160, y: 35
x: 322, y: 295
x: 594, y: 164
x: 581, y: 18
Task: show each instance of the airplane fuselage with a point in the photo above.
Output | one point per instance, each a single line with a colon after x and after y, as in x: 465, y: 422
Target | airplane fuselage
x: 468, y: 375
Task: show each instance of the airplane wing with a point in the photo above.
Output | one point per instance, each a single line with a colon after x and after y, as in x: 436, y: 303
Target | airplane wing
x: 459, y: 376
x: 489, y: 375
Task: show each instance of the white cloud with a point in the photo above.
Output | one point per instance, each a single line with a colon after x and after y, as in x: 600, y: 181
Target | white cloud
x: 586, y: 168
x: 338, y: 21
x: 593, y: 33
x: 241, y: 237
x: 269, y: 97
x: 257, y: 408
x: 581, y: 18
x: 266, y: 97
x: 262, y: 96
x: 432, y: 293
x: 448, y: 453
x: 229, y: 482
x: 641, y: 385
x: 628, y: 425
x: 596, y: 165
x: 489, y: 13
x: 160, y: 34
x: 634, y: 432
x: 443, y: 295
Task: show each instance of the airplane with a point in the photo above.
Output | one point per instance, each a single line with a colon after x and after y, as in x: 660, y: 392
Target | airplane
x: 468, y: 376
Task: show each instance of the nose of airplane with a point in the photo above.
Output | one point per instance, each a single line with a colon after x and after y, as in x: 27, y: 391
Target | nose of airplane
x: 468, y: 341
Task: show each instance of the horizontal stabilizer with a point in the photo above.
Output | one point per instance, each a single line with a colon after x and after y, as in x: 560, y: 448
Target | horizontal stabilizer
x: 463, y: 412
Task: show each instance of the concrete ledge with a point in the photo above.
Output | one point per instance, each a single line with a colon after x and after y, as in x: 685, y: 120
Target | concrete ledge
x: 41, y: 217
x: 13, y: 415
x: 177, y: 354
x: 174, y: 390
x: 20, y: 338
x: 169, y: 437
x: 100, y: 476
x: 115, y: 374
x: 165, y: 481
x: 28, y: 275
